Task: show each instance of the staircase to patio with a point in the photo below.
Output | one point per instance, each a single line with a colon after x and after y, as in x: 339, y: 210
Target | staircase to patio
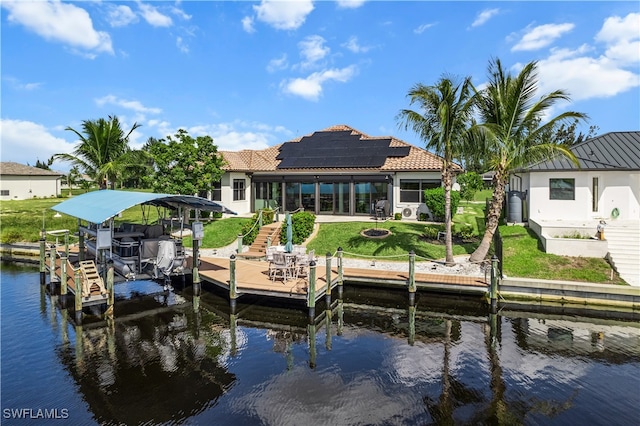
x: 259, y: 247
x: 623, y: 238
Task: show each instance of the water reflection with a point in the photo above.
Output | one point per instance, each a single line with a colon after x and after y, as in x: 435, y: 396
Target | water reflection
x: 369, y: 357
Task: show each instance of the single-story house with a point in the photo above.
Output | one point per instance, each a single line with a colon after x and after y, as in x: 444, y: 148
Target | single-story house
x: 20, y: 182
x: 605, y: 184
x: 562, y: 200
x: 335, y: 171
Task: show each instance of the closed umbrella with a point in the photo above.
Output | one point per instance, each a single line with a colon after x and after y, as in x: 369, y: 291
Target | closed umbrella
x: 288, y: 247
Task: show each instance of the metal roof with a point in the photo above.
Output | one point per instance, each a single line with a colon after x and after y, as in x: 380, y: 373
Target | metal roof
x: 100, y: 206
x: 611, y: 151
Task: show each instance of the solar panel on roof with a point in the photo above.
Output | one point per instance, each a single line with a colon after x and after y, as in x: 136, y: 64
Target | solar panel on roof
x: 337, y: 149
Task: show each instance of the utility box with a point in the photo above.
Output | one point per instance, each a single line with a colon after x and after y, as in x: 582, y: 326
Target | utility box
x: 198, y: 231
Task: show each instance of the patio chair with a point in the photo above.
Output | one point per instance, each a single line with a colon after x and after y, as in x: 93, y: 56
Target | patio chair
x: 303, y: 262
x: 279, y: 268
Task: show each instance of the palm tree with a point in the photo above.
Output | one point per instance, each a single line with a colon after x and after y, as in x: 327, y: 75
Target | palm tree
x: 444, y: 116
x: 103, y: 150
x: 511, y: 131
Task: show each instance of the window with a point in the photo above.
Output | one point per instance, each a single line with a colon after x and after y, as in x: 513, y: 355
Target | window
x: 562, y: 189
x: 4, y: 192
x: 238, y: 190
x: 594, y: 194
x: 216, y: 191
x: 412, y: 191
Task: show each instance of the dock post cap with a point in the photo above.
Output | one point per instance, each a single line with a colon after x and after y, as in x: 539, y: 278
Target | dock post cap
x: 233, y: 256
x: 312, y: 263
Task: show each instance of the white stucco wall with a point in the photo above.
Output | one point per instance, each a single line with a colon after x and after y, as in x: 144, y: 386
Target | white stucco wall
x: 240, y: 207
x: 616, y: 190
x: 398, y: 206
x: 25, y: 187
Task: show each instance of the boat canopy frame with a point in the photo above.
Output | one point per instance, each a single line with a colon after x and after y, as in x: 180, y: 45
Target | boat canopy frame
x: 100, y: 206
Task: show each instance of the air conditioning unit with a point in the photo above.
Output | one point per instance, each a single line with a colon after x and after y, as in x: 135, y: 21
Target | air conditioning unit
x: 407, y: 212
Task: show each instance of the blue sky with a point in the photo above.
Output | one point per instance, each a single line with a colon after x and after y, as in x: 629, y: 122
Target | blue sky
x: 255, y: 74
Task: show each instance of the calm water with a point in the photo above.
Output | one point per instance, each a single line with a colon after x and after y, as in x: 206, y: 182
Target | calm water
x: 372, y: 361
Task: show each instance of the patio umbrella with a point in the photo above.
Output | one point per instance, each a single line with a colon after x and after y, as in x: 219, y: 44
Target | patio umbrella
x: 288, y: 247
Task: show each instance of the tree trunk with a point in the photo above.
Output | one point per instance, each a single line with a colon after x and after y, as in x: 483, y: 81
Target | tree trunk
x: 447, y: 180
x: 493, y: 219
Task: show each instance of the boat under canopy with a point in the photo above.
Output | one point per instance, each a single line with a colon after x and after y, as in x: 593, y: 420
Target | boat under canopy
x: 135, y: 249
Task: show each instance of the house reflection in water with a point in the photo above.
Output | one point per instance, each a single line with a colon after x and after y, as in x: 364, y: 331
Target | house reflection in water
x: 136, y: 371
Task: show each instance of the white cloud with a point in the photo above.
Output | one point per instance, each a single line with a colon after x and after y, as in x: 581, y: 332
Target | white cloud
x: 484, y: 16
x: 180, y: 13
x: 585, y: 73
x: 310, y: 88
x: 312, y: 49
x: 25, y: 142
x: 283, y: 15
x: 19, y: 85
x: 60, y: 22
x: 582, y: 76
x: 350, y: 4
x: 622, y: 37
x: 542, y: 36
x: 422, y: 28
x: 121, y: 16
x: 135, y: 106
x: 353, y: 45
x: 247, y: 24
x: 277, y: 64
x: 182, y: 45
x: 153, y: 16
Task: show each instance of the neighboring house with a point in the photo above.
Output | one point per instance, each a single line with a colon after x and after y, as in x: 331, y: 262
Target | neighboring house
x: 20, y: 182
x: 562, y: 199
x: 336, y: 171
x: 605, y: 185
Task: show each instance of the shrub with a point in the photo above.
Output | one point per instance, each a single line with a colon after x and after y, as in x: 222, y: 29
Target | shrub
x: 470, y: 183
x: 431, y: 231
x: 465, y: 231
x: 250, y: 231
x: 423, y: 217
x: 434, y: 199
x: 267, y: 216
x: 302, y: 227
x: 397, y: 216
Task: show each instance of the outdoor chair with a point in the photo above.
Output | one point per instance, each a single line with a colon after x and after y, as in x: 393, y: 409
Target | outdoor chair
x: 279, y: 267
x: 303, y: 262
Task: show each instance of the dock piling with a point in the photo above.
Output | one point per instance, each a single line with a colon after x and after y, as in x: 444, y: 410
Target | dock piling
x: 340, y: 272
x: 311, y: 294
x: 239, y: 243
x: 43, y: 255
x: 52, y: 267
x: 412, y: 277
x: 232, y: 282
x: 110, y: 285
x: 493, y: 292
x: 78, y: 297
x: 63, y: 276
x: 194, y: 269
x: 327, y: 294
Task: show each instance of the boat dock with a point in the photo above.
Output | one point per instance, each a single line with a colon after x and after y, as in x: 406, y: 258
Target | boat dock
x: 251, y: 277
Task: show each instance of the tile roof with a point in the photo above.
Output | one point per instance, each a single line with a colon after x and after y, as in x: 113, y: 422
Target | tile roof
x: 611, y: 151
x: 17, y: 169
x: 265, y: 160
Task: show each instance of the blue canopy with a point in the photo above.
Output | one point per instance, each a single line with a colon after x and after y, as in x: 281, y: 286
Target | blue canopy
x: 100, y: 206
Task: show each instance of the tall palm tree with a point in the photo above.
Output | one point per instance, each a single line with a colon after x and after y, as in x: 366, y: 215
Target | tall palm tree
x: 511, y: 131
x: 444, y: 115
x: 103, y: 150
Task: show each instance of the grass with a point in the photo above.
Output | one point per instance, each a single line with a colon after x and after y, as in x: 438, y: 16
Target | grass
x: 523, y: 257
x: 406, y: 236
x: 220, y: 232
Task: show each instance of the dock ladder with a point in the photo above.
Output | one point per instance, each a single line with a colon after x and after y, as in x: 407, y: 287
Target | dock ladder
x: 91, y: 280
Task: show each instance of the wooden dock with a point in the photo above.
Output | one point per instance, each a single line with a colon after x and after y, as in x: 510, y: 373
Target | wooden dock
x: 252, y: 277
